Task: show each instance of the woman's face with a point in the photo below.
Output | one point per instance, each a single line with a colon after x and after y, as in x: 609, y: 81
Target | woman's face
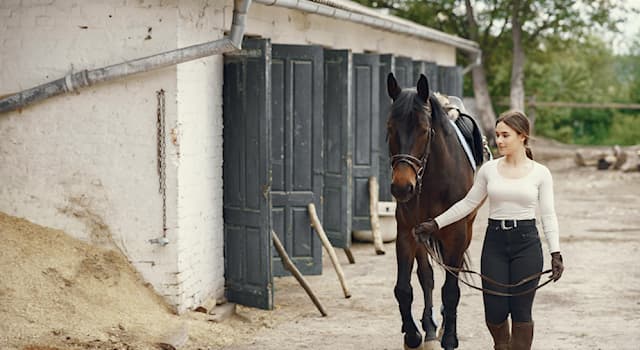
x: 508, y: 140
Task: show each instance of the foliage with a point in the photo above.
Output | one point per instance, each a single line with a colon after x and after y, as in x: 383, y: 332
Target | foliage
x: 566, y: 59
x: 584, y: 71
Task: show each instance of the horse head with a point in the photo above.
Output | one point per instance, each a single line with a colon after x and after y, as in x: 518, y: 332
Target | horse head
x: 409, y: 135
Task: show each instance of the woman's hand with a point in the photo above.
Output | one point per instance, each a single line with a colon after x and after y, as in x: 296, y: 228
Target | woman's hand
x: 424, y: 230
x: 556, y: 266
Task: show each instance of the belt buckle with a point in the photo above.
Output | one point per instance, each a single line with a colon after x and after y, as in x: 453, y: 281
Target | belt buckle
x: 503, y: 224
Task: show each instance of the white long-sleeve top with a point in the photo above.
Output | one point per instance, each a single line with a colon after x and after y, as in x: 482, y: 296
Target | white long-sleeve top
x: 510, y: 199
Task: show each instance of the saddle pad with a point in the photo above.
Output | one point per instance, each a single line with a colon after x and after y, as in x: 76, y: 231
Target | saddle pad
x: 465, y: 145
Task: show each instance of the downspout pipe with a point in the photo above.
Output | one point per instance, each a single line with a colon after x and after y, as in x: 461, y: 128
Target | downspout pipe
x: 77, y: 80
x: 476, y: 60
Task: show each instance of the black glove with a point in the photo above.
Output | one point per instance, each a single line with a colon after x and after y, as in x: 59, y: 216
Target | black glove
x: 424, y: 230
x: 556, y: 266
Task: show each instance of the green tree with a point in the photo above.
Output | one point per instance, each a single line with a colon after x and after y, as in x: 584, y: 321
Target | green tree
x: 584, y: 71
x: 506, y: 31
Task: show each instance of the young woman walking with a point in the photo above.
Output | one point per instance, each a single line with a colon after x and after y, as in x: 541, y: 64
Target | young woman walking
x: 516, y: 186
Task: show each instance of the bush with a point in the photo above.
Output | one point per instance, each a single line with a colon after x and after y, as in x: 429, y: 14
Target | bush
x: 625, y: 130
x: 589, y: 126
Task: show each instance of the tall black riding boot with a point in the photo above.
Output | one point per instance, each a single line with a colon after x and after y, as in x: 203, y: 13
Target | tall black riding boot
x: 521, y: 335
x: 501, y: 335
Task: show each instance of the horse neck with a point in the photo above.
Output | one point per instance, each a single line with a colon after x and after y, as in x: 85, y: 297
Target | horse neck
x: 444, y: 153
x: 445, y: 172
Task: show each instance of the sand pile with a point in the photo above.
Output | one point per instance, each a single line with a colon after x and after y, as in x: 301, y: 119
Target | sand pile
x: 59, y: 293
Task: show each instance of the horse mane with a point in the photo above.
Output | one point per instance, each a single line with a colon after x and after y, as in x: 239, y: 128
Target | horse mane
x: 438, y: 114
x: 409, y: 105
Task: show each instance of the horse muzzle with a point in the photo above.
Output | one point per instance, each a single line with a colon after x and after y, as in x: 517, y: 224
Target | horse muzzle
x: 403, y: 192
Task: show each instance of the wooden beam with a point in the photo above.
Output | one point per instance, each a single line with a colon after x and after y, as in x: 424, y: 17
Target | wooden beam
x: 315, y: 222
x: 288, y: 264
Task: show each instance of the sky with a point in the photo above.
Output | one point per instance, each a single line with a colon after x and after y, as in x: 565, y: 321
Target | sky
x: 630, y: 29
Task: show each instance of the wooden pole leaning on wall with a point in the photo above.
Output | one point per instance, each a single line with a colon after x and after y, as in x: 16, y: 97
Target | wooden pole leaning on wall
x: 315, y: 222
x: 373, y: 212
x: 349, y: 254
x: 288, y: 264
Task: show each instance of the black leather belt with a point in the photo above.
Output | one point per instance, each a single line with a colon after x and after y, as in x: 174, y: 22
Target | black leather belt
x: 511, y: 224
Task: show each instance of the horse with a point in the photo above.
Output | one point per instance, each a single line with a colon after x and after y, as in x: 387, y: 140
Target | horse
x: 430, y: 172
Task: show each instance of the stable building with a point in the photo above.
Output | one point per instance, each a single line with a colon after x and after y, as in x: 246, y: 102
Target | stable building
x: 183, y: 132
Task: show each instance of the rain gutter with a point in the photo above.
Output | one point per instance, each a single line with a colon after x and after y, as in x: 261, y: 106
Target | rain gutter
x: 356, y: 13
x: 76, y: 80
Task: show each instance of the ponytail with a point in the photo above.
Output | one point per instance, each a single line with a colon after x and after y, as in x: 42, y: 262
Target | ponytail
x: 528, y: 152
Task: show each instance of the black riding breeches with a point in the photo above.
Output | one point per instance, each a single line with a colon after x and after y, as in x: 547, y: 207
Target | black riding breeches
x: 510, y: 253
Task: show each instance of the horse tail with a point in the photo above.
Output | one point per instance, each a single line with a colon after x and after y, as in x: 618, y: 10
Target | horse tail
x: 436, y: 247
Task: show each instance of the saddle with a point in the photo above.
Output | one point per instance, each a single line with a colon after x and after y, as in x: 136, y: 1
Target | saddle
x: 471, y: 132
x: 467, y: 125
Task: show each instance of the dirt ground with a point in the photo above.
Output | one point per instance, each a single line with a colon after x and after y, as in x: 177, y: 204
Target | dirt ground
x: 80, y: 297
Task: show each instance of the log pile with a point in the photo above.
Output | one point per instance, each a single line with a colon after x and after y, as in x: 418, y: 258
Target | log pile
x: 625, y: 160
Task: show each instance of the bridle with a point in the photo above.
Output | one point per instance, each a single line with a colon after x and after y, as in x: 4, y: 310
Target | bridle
x: 418, y: 165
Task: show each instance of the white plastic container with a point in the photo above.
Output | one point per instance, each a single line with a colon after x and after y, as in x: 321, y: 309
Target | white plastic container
x: 387, y: 220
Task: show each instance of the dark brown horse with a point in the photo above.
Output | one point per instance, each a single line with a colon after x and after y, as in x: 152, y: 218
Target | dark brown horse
x: 430, y: 173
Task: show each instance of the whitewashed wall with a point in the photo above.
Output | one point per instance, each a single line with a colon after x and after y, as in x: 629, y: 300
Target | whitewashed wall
x: 86, y: 163
x: 199, y: 211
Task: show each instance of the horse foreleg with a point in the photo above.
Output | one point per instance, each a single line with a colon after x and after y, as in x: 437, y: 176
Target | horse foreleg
x: 425, y: 276
x: 450, y: 300
x: 405, y: 254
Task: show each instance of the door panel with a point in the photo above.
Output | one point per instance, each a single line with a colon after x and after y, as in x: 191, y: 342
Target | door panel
x: 247, y: 205
x: 296, y: 153
x: 337, y: 147
x: 430, y: 70
x: 450, y: 80
x: 365, y: 122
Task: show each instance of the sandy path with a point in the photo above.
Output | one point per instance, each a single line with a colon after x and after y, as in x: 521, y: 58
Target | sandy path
x: 57, y: 293
x: 596, y: 305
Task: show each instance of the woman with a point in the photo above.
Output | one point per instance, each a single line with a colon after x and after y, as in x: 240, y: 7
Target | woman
x: 515, y: 185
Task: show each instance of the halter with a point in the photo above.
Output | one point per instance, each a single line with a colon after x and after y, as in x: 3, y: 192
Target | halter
x: 418, y: 165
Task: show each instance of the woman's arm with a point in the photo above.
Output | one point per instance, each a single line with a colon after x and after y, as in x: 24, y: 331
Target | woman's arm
x: 466, y: 205
x: 548, y: 211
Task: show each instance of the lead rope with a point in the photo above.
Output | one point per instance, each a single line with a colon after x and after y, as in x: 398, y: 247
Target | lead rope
x: 456, y: 270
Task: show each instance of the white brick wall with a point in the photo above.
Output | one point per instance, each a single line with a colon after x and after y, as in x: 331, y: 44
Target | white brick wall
x: 86, y: 162
x: 199, y: 103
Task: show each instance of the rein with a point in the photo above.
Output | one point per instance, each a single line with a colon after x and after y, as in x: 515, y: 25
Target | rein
x: 456, y: 270
x: 418, y: 166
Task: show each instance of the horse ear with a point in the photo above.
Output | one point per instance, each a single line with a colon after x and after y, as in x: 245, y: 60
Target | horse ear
x: 392, y: 87
x: 423, y: 87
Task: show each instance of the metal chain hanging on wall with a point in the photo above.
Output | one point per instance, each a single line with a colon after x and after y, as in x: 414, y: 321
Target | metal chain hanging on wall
x: 161, y: 158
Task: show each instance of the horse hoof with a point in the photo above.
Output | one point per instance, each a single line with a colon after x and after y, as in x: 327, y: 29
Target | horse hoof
x: 413, y: 341
x: 431, y: 345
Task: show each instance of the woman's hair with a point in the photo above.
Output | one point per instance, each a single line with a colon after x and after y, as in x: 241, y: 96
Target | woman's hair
x: 519, y: 122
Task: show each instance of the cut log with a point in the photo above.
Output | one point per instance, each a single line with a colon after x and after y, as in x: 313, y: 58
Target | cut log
x: 588, y: 157
x: 620, y: 155
x: 632, y: 163
x: 373, y: 212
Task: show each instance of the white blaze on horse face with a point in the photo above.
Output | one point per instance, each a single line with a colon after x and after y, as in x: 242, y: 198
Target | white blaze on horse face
x: 508, y: 140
